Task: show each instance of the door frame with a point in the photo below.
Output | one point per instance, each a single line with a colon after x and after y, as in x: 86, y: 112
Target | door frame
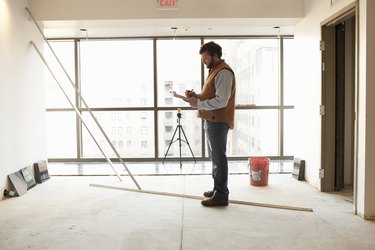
x: 327, y: 172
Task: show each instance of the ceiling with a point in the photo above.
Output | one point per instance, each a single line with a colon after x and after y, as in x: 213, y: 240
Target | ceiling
x: 169, y: 27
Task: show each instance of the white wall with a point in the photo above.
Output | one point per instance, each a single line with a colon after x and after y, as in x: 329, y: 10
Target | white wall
x: 308, y: 74
x: 307, y: 37
x: 22, y: 98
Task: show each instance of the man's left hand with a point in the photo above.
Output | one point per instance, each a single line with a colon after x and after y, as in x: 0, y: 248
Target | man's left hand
x: 193, y: 102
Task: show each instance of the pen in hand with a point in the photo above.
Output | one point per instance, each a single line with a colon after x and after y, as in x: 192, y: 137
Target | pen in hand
x: 190, y: 93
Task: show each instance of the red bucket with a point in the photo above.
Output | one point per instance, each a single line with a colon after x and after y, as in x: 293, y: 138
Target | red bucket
x: 259, y: 169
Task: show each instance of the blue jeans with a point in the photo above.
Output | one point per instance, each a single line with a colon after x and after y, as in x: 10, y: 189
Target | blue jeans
x: 216, y: 134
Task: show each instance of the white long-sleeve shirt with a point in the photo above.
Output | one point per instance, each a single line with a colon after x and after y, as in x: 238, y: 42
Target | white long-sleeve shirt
x: 223, y: 86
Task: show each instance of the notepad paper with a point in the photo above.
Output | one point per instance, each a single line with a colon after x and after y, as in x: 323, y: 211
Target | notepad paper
x: 174, y: 94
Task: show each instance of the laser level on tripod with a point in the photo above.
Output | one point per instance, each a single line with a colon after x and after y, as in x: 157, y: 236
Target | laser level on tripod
x: 180, y: 129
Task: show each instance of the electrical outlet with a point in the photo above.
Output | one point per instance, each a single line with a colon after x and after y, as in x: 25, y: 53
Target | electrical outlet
x: 321, y: 173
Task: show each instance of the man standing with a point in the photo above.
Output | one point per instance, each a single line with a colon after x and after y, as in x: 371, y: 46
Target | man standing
x: 216, y: 104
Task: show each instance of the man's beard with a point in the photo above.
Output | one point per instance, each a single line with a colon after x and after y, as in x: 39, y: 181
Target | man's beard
x: 211, y: 64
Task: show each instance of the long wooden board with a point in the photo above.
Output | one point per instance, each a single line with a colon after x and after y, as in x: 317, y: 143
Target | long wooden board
x: 247, y: 203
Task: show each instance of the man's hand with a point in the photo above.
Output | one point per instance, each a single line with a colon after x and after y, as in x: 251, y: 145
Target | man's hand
x: 190, y: 94
x: 193, y: 102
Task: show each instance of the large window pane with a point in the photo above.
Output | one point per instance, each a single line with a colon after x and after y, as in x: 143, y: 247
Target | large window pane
x: 117, y: 73
x: 131, y: 132
x: 256, y: 65
x: 190, y: 125
x: 61, y: 135
x: 290, y: 126
x: 255, y: 134
x: 289, y: 72
x: 178, y: 67
x: 65, y: 52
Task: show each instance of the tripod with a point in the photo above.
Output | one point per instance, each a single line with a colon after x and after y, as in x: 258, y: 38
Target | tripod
x: 179, y: 128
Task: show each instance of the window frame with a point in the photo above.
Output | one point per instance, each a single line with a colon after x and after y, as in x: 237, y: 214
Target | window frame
x: 155, y: 108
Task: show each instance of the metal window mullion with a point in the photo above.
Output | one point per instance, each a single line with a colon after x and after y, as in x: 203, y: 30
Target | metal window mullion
x: 156, y: 123
x: 281, y: 110
x: 203, y: 137
x: 77, y: 64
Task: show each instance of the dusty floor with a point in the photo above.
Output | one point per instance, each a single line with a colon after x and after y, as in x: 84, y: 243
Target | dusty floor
x: 68, y: 213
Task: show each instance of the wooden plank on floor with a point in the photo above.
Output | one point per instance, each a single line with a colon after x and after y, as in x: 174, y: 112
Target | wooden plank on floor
x: 247, y: 203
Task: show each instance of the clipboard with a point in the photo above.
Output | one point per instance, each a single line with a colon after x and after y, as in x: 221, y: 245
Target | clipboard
x: 174, y: 94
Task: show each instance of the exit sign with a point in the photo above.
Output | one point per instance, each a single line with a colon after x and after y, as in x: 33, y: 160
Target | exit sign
x: 166, y: 4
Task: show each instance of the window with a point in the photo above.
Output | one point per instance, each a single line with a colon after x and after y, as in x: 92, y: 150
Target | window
x: 174, y: 72
x: 289, y: 74
x: 120, y: 145
x: 143, y: 115
x: 168, y: 85
x: 117, y: 73
x: 168, y: 129
x: 65, y: 52
x: 143, y: 130
x: 118, y: 78
x: 168, y: 101
x: 261, y: 88
x: 189, y: 121
x: 242, y: 139
x: 90, y: 150
x: 260, y: 55
x: 61, y: 135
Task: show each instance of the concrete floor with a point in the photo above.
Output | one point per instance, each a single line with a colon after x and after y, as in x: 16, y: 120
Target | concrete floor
x: 67, y: 213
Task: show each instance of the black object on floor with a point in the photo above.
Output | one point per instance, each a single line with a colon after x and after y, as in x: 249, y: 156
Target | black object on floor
x: 299, y: 169
x: 41, y: 171
x: 17, y: 184
x: 28, y: 177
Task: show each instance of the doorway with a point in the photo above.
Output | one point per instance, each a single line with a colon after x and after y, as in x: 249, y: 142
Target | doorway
x: 338, y: 105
